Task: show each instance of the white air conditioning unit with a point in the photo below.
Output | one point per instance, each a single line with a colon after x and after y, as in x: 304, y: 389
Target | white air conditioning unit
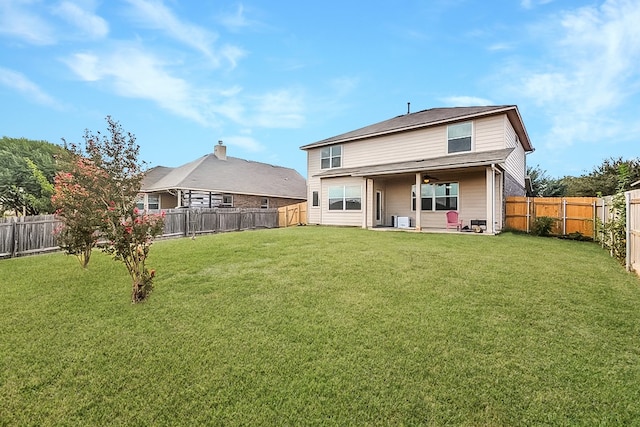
x: 403, y: 222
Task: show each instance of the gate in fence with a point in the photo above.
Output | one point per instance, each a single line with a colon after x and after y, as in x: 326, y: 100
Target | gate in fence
x: 292, y: 215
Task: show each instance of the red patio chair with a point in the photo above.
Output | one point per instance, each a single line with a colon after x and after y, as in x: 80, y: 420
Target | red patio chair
x: 453, y: 221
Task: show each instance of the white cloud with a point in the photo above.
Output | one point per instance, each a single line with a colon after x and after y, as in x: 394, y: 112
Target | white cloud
x: 279, y: 109
x: 244, y: 142
x: 91, y: 25
x: 237, y: 20
x: 154, y: 14
x: 465, y: 101
x: 20, y: 83
x: 530, y: 4
x: 500, y: 46
x: 134, y: 73
x: 590, y: 72
x: 17, y: 21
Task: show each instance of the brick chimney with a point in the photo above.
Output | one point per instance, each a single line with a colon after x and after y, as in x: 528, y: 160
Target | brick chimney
x: 220, y: 151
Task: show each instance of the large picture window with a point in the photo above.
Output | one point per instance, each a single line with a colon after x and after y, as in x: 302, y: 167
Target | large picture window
x: 345, y: 198
x: 436, y: 197
x: 331, y: 157
x: 459, y: 138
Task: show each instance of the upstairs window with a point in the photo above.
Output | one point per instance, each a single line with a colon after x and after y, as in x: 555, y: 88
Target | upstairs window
x: 331, y: 157
x: 459, y: 138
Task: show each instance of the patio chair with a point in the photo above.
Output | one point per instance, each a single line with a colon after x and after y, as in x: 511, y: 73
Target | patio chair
x: 453, y: 221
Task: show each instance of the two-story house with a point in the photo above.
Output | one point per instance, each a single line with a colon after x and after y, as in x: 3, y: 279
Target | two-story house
x: 420, y: 166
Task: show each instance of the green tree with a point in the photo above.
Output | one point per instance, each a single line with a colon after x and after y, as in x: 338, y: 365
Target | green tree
x: 614, y: 232
x: 603, y: 179
x: 542, y: 185
x: 27, y: 170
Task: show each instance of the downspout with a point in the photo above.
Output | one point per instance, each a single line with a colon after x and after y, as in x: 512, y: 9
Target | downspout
x: 418, y: 201
x: 502, y: 198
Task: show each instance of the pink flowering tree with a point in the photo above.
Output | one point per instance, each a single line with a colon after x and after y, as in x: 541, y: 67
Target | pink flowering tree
x: 124, y: 232
x: 81, y: 211
x: 130, y: 234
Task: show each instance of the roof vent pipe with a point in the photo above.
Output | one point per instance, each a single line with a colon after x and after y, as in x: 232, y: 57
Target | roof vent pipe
x: 408, y: 108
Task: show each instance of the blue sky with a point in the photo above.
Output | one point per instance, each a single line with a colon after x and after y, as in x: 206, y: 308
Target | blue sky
x: 266, y: 77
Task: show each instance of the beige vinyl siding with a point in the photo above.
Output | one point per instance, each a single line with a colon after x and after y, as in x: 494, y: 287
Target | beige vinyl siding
x: 489, y: 133
x: 314, y: 215
x: 398, y: 198
x: 349, y: 218
x: 405, y: 146
x: 515, y: 164
x: 313, y: 162
x: 314, y: 212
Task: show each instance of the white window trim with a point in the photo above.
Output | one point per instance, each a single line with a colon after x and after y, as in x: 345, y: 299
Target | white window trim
x: 344, y: 198
x: 226, y: 205
x: 331, y: 157
x: 434, y: 197
x: 473, y: 139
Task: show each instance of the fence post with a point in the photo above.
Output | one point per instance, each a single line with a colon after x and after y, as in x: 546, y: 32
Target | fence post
x: 595, y: 213
x: 528, y: 215
x: 14, y: 238
x: 564, y: 216
x: 627, y: 197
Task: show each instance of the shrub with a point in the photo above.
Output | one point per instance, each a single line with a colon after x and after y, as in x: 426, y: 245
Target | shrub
x: 543, y: 225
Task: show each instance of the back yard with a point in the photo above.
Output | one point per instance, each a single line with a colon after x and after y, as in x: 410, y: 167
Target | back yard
x: 331, y: 326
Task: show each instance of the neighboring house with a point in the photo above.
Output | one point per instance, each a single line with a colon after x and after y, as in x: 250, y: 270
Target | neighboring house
x: 216, y: 180
x: 465, y: 159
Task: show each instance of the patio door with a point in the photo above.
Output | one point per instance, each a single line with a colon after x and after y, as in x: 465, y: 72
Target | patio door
x: 379, y: 209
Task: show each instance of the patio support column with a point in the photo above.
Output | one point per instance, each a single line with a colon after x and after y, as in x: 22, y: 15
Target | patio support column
x: 418, y: 201
x: 490, y: 187
x: 367, y: 204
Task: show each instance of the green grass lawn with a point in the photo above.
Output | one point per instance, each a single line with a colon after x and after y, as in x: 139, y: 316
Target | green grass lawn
x: 325, y: 326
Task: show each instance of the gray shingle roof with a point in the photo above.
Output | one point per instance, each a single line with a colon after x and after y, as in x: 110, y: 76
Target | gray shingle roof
x: 233, y: 175
x: 466, y: 160
x: 431, y: 117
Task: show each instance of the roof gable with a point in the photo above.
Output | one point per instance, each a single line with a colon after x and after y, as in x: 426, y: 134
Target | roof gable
x: 427, y: 118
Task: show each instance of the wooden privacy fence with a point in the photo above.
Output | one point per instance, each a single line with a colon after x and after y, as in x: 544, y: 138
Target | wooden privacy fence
x: 572, y: 214
x: 292, y: 215
x: 27, y: 235
x: 191, y: 222
x: 35, y: 234
x: 633, y: 230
